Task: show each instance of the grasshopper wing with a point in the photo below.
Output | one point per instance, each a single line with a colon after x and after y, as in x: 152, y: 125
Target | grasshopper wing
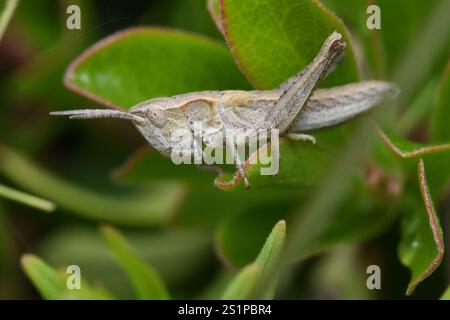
x: 329, y: 107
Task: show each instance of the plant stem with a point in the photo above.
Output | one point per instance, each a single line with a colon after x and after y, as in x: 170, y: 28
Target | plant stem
x: 6, y: 15
x: 26, y: 198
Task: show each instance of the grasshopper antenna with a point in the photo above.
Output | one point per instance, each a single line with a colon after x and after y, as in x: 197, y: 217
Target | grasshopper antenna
x: 97, y: 114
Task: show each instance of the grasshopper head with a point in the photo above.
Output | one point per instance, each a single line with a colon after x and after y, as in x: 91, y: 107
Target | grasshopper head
x: 149, y: 117
x: 153, y: 117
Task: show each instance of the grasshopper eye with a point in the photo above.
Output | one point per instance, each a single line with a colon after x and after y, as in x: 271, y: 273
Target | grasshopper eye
x: 157, y: 116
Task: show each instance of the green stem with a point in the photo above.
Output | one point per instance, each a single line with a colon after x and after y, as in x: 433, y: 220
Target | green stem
x: 8, y: 11
x: 26, y: 198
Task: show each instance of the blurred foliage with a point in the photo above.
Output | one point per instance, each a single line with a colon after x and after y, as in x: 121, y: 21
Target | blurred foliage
x: 180, y: 236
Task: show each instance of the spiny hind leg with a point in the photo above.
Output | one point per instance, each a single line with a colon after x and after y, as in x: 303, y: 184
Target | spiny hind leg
x: 295, y: 92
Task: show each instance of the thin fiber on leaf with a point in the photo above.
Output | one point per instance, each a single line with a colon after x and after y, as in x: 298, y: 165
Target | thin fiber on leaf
x: 214, y: 11
x: 408, y: 149
x: 422, y: 245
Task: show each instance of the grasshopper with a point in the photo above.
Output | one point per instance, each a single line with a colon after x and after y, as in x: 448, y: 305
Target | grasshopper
x: 294, y: 108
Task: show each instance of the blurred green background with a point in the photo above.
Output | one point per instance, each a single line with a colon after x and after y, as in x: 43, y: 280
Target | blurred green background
x: 348, y: 202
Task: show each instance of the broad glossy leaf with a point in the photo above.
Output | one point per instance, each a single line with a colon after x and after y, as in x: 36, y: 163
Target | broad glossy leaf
x: 272, y: 40
x: 145, y: 279
x: 128, y: 206
x: 422, y: 246
x: 300, y: 164
x: 142, y: 63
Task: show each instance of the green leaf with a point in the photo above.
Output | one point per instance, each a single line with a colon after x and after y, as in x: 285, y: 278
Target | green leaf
x: 340, y: 275
x: 51, y: 284
x: 361, y: 215
x: 440, y: 131
x: 145, y: 279
x: 264, y: 269
x: 422, y: 246
x: 243, y: 285
x: 142, y: 63
x: 44, y: 278
x: 148, y: 206
x: 26, y: 198
x: 438, y: 156
x: 269, y: 258
x: 165, y: 250
x: 272, y: 40
x: 419, y: 109
x: 446, y: 294
x: 255, y: 224
x: 202, y: 195
x: 7, y: 8
x: 300, y: 164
